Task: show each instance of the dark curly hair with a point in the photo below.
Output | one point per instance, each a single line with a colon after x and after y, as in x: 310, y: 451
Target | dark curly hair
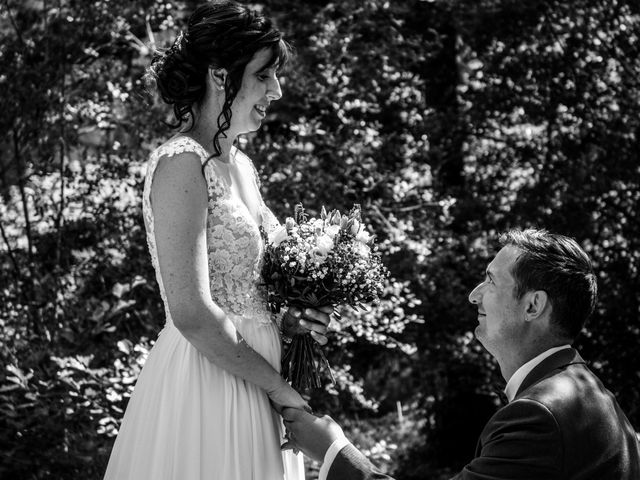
x: 219, y: 34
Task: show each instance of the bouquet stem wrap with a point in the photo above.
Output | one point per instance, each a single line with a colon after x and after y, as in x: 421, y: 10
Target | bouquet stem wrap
x: 304, y: 363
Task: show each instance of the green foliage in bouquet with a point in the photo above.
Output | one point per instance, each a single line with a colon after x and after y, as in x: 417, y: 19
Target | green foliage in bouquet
x: 313, y: 262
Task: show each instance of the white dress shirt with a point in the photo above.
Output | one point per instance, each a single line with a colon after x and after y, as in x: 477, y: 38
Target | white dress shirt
x: 518, y: 377
x: 330, y: 456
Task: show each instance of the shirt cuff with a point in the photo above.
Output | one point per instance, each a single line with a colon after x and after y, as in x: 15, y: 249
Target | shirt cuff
x: 330, y: 456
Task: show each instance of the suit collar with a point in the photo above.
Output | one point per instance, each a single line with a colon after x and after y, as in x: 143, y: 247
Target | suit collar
x: 553, y: 362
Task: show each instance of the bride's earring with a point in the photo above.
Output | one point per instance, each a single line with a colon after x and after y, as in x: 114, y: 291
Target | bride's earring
x: 218, y: 77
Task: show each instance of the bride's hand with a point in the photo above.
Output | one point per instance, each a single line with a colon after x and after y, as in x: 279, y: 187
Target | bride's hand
x: 284, y: 395
x: 310, y: 320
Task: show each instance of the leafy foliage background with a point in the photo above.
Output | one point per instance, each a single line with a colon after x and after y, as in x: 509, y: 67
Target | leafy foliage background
x: 447, y: 120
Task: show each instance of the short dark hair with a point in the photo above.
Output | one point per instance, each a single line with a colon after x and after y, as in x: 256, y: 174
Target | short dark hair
x: 556, y: 264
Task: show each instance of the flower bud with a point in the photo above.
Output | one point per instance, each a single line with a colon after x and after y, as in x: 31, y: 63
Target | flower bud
x: 290, y: 223
x: 355, y: 227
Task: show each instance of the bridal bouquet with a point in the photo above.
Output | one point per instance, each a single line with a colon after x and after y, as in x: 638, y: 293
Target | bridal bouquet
x: 314, y: 262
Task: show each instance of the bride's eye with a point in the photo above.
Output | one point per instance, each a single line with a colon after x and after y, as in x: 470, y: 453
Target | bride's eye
x: 263, y: 76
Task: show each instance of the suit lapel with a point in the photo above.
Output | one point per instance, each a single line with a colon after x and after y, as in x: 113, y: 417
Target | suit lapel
x: 545, y: 368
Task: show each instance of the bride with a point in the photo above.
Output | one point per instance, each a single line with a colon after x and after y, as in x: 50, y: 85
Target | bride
x: 203, y: 406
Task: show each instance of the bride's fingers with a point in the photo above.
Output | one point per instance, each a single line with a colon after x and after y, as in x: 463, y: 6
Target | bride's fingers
x: 314, y: 326
x: 328, y: 309
x: 321, y: 339
x: 288, y: 445
x: 317, y: 315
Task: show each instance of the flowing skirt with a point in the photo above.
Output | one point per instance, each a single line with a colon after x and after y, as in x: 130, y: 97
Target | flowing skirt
x: 188, y: 419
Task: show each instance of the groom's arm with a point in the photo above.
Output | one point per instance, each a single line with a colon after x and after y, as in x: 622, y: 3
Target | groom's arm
x: 522, y: 440
x: 322, y: 439
x: 351, y: 464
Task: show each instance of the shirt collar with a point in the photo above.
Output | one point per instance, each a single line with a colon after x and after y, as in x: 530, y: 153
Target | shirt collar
x: 517, y: 378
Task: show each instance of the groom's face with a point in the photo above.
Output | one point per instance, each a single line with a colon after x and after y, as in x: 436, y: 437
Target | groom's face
x: 500, y: 313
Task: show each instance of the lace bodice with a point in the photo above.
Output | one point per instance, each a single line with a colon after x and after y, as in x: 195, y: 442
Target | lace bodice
x: 234, y: 245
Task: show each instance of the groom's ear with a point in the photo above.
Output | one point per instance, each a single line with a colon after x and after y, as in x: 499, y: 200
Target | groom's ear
x: 537, y: 304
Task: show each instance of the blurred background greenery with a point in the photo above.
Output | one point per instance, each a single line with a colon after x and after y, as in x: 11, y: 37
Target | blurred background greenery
x: 448, y: 120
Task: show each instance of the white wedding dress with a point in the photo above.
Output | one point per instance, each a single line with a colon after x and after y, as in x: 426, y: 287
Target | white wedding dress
x: 188, y: 419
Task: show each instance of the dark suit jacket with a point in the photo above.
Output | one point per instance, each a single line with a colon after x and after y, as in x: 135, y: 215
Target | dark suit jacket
x: 562, y: 424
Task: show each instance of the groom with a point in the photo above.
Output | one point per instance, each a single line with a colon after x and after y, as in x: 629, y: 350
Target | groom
x: 560, y: 422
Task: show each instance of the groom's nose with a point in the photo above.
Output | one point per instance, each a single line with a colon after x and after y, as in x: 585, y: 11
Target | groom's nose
x: 476, y: 296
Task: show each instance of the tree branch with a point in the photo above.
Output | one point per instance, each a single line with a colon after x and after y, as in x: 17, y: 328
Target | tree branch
x: 13, y: 22
x: 16, y: 268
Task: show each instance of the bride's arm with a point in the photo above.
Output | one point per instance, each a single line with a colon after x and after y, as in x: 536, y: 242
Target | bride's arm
x: 179, y: 203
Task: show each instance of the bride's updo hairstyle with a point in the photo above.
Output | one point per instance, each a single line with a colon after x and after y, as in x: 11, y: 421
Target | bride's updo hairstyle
x: 220, y: 34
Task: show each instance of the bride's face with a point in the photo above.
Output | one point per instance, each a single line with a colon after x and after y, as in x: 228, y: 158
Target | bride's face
x: 260, y: 87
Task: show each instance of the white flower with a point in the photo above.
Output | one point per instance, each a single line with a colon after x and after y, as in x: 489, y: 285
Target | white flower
x: 278, y: 236
x: 363, y: 236
x: 361, y: 249
x: 324, y: 244
x: 332, y: 230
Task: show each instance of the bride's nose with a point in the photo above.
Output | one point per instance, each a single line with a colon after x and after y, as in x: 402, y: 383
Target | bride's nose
x: 274, y: 92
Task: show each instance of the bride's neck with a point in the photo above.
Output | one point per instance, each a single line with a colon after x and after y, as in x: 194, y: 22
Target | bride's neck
x: 204, y: 130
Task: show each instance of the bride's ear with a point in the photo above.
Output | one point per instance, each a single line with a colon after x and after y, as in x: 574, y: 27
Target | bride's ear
x: 217, y: 77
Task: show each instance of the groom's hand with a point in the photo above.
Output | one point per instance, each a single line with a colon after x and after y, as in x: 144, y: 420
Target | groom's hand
x: 311, y: 434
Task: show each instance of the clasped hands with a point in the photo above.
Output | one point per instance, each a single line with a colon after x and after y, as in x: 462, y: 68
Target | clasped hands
x: 296, y: 321
x: 306, y: 432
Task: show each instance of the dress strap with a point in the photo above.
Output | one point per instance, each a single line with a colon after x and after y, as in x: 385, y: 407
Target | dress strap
x: 182, y: 144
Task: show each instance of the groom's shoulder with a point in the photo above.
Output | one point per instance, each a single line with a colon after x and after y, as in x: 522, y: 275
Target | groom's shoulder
x: 564, y: 386
x: 574, y: 384
x: 577, y: 400
x: 591, y: 422
x: 557, y: 399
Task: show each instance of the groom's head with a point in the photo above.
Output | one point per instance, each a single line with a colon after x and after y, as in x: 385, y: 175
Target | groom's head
x: 539, y: 287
